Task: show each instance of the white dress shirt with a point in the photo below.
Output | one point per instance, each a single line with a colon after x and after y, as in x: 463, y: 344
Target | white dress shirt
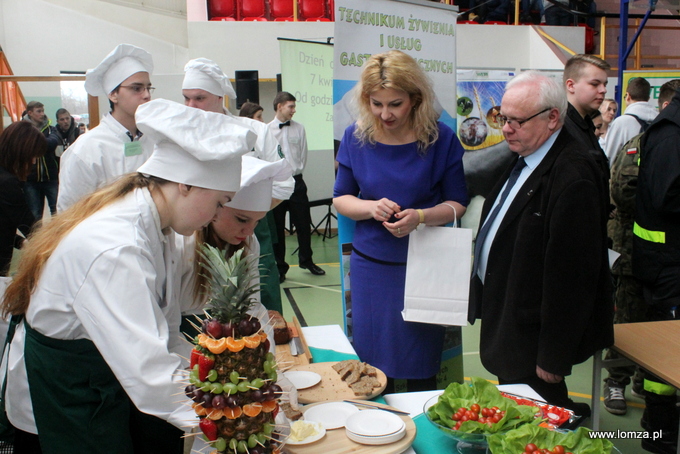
x: 293, y: 142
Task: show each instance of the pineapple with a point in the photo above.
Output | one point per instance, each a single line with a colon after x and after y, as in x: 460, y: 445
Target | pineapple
x: 233, y: 374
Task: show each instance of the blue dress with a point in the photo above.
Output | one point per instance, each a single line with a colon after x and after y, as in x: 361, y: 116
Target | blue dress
x: 378, y: 263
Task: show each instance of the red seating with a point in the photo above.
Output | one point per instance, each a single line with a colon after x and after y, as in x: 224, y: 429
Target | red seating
x: 331, y: 9
x: 318, y: 19
x: 261, y: 19
x: 251, y: 9
x: 222, y: 18
x: 284, y: 19
x: 312, y: 9
x: 280, y: 8
x: 221, y: 8
x: 590, y: 39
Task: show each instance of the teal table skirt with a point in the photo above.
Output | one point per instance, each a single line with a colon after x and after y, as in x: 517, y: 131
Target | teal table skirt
x: 429, y: 439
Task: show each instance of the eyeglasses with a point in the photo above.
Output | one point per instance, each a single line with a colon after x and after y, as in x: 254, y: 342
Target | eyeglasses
x: 139, y: 89
x: 517, y: 124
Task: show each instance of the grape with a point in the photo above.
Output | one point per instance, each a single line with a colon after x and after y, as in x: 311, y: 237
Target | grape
x: 216, y: 388
x: 267, y: 366
x: 230, y: 388
x: 267, y: 428
x: 232, y: 444
x: 242, y: 446
x: 228, y: 329
x: 257, y: 383
x: 269, y: 356
x: 219, y: 402
x: 207, y: 400
x: 269, y: 394
x: 276, y: 389
x: 205, y: 386
x: 220, y: 444
x: 232, y: 402
x: 243, y: 386
x: 245, y: 328
x: 234, y: 377
x: 266, y: 345
x: 252, y: 441
x: 255, y: 325
x: 189, y: 391
x: 257, y: 396
x: 213, y: 328
x: 212, y: 375
x: 198, y: 395
x: 257, y: 450
x: 273, y: 376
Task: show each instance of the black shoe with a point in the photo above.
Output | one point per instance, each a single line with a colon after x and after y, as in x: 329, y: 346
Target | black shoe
x: 580, y: 409
x: 314, y: 269
x: 664, y: 445
x: 282, y: 278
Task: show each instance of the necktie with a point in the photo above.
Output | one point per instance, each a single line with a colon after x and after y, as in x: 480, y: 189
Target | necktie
x: 281, y: 125
x: 484, y: 231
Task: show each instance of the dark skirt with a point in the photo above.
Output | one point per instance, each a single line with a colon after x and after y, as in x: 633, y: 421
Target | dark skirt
x: 381, y: 336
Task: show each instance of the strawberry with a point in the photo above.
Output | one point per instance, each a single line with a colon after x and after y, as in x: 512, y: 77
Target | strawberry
x: 205, y: 365
x: 209, y: 428
x: 195, y: 354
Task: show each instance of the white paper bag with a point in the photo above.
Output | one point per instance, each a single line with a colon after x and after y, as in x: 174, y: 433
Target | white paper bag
x: 438, y: 276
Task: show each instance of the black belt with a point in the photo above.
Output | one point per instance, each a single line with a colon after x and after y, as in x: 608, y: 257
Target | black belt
x: 378, y: 261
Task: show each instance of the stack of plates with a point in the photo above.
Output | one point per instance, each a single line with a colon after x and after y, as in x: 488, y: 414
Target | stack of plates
x: 375, y: 427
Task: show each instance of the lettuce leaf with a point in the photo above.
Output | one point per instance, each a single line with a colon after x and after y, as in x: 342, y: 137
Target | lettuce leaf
x: 485, y: 394
x: 577, y: 442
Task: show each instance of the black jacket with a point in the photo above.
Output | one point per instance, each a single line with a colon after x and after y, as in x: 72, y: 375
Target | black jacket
x: 14, y: 214
x: 47, y: 167
x: 657, y: 201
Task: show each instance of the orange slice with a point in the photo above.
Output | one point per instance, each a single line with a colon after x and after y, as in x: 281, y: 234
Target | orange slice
x: 200, y: 411
x: 253, y: 409
x: 232, y: 413
x: 252, y: 341
x: 201, y: 339
x: 263, y: 336
x: 268, y: 406
x: 216, y: 346
x: 215, y: 414
x: 235, y: 345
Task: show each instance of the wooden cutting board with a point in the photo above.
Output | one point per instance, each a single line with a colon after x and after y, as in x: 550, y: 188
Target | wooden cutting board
x: 331, y: 387
x: 336, y: 442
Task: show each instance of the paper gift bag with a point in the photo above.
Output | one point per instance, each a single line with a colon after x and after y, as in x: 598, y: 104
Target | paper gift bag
x: 438, y: 276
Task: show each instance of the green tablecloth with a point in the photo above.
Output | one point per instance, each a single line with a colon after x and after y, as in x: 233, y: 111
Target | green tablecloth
x: 429, y: 439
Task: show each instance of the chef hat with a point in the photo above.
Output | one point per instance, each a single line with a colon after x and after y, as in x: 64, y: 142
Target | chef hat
x: 124, y: 61
x: 257, y: 178
x: 207, y: 75
x: 192, y: 146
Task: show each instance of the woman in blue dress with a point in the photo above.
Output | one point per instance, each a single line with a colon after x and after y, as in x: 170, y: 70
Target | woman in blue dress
x: 398, y: 168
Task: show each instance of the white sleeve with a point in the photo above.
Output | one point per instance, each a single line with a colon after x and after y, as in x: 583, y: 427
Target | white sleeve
x: 303, y: 149
x: 76, y: 179
x: 118, y: 306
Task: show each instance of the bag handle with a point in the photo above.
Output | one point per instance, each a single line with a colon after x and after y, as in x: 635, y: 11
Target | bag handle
x: 455, y: 214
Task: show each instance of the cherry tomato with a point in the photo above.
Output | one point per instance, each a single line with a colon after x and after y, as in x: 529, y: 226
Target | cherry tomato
x: 464, y: 418
x: 475, y: 408
x: 456, y: 417
x: 559, y: 449
x: 474, y: 416
x: 530, y: 447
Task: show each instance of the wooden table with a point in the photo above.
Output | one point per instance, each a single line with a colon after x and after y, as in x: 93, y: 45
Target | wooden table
x: 654, y: 346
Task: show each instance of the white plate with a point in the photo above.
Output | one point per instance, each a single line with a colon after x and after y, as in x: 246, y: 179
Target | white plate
x: 387, y: 439
x: 332, y: 415
x: 371, y: 423
x: 302, y: 379
x: 318, y: 427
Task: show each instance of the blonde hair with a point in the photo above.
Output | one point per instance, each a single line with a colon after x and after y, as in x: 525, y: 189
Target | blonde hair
x: 45, y: 239
x: 397, y: 70
x: 575, y: 66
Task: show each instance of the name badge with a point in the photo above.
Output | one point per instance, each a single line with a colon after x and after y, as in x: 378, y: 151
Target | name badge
x: 133, y: 149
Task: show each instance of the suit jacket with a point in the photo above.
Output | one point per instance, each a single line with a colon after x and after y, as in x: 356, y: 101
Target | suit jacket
x: 546, y: 299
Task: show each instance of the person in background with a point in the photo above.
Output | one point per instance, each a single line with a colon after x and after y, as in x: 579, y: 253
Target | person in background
x: 628, y: 297
x: 636, y: 118
x: 251, y: 110
x: 598, y: 123
x: 585, y: 79
x: 66, y: 131
x: 608, y: 110
x: 558, y: 14
x: 115, y: 147
x: 43, y: 180
x: 293, y: 140
x: 540, y: 260
x: 204, y: 87
x: 97, y: 289
x: 656, y: 259
x: 82, y: 128
x: 408, y: 169
x: 21, y: 145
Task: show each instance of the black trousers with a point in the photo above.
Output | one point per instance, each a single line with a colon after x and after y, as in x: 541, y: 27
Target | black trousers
x: 298, y: 206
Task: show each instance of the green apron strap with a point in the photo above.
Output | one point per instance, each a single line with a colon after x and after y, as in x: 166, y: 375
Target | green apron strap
x: 79, y: 405
x: 270, y: 292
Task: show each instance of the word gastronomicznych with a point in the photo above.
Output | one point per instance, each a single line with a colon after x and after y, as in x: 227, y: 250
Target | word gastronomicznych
x: 428, y: 65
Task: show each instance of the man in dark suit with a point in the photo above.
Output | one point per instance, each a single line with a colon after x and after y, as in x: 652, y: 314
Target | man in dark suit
x: 540, y: 282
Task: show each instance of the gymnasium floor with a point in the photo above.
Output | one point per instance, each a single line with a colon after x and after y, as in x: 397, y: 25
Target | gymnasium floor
x: 316, y: 300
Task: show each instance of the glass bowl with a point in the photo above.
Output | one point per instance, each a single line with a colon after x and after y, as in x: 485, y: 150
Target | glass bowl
x: 467, y: 443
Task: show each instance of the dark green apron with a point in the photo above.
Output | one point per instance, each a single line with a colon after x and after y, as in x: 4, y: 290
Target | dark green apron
x: 265, y: 231
x: 80, y: 407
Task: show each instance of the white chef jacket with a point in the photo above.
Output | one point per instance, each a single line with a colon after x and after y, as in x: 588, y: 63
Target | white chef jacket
x: 293, y: 140
x: 267, y: 148
x: 98, y: 158
x: 112, y: 280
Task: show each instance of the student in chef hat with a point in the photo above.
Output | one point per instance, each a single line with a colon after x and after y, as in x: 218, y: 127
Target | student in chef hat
x: 115, y: 147
x: 96, y: 284
x: 204, y: 87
